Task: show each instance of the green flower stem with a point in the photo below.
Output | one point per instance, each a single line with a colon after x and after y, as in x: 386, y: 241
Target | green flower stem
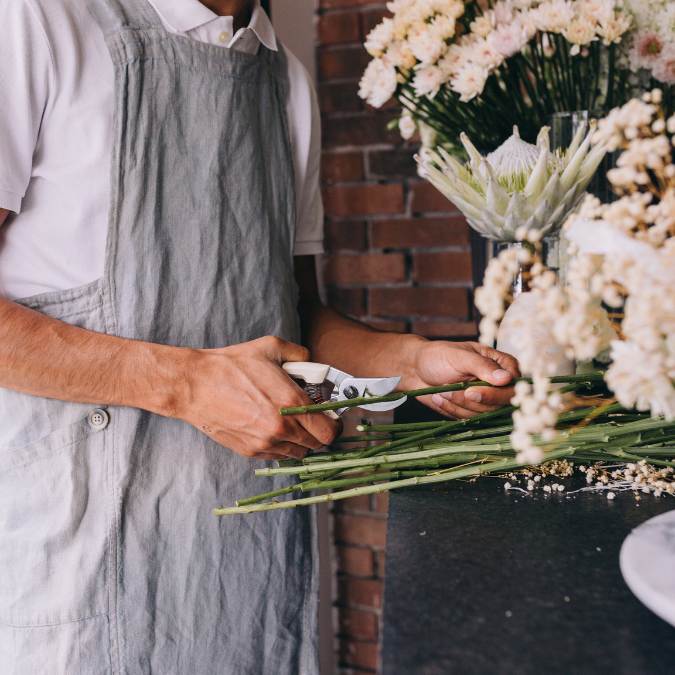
x: 584, y: 437
x: 384, y: 447
x: 364, y: 479
x: 597, y: 433
x: 652, y: 450
x: 408, y: 426
x: 379, y: 460
x: 463, y: 436
x: 429, y: 479
x: 585, y: 378
x: 622, y: 454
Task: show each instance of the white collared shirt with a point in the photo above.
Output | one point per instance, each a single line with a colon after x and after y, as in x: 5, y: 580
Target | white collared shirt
x: 56, y: 77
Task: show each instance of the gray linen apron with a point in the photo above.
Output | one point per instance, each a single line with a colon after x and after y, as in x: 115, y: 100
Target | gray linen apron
x: 110, y: 559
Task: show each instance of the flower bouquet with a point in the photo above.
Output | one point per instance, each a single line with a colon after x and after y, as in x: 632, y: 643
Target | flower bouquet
x: 482, y: 67
x: 616, y: 426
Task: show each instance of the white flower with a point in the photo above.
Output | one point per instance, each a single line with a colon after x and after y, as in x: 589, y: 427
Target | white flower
x: 428, y: 80
x: 453, y: 60
x: 503, y: 12
x: 509, y: 39
x: 534, y: 421
x: 664, y: 68
x: 595, y: 11
x: 406, y: 125
x: 443, y: 27
x: 612, y: 29
x: 579, y: 32
x: 665, y: 20
x: 637, y: 378
x: 426, y: 46
x: 519, y: 185
x: 647, y: 48
x: 483, y: 54
x: 380, y: 37
x: 483, y: 24
x: 553, y: 15
x: 378, y: 83
x: 469, y: 81
x: 399, y: 55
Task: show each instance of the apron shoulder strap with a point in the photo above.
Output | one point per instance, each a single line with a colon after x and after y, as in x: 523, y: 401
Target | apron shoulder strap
x: 278, y: 63
x: 116, y: 15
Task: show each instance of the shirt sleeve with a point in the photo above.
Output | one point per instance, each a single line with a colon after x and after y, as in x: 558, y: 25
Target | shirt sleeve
x: 26, y: 70
x: 305, y: 129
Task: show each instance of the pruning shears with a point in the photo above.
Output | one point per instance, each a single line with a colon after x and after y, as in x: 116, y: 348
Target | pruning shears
x: 324, y: 383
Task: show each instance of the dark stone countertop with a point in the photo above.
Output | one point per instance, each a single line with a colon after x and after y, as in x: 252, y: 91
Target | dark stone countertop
x: 483, y: 581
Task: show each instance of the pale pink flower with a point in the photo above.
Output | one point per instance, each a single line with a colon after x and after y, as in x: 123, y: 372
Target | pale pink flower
x: 426, y: 47
x: 406, y: 125
x: 485, y: 55
x: 453, y: 60
x: 508, y: 39
x: 503, y: 12
x: 379, y: 38
x: 378, y: 83
x: 482, y: 25
x: 553, y: 16
x: 399, y: 55
x: 428, y: 80
x: 647, y: 48
x: 664, y: 68
x: 613, y: 29
x: 580, y: 33
x: 470, y: 81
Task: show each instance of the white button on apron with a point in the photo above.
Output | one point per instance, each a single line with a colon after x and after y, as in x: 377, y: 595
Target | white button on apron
x: 98, y: 419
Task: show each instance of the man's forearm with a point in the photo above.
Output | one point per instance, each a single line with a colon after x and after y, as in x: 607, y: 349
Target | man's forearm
x: 45, y: 357
x: 355, y: 347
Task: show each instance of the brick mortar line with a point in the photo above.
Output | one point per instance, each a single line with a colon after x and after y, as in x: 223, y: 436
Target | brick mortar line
x: 382, y: 217
x: 356, y: 8
x: 387, y: 250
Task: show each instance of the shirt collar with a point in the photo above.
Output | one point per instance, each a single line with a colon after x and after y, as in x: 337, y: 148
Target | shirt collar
x: 261, y: 25
x: 183, y: 16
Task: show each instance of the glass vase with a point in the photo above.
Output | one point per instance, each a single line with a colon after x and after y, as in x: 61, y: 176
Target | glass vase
x: 550, y: 256
x: 521, y: 325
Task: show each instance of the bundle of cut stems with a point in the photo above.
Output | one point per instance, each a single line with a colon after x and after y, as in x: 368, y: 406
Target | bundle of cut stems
x: 392, y: 456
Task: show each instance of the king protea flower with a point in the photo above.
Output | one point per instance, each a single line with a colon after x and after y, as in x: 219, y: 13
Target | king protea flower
x: 518, y: 185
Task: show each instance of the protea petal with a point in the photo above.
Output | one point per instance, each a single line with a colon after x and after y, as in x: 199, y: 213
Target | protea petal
x: 574, y: 145
x: 539, y: 175
x: 571, y: 172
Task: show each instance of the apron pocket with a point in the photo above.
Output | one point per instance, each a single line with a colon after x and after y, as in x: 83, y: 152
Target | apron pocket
x: 54, y: 526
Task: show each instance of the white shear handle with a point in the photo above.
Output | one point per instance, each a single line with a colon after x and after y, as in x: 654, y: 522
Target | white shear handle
x: 312, y: 373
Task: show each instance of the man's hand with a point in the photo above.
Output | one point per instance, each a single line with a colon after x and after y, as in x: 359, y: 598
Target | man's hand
x: 364, y: 352
x: 436, y: 363
x: 234, y: 394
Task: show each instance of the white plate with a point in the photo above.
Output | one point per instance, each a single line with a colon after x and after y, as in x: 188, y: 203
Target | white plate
x: 648, y: 564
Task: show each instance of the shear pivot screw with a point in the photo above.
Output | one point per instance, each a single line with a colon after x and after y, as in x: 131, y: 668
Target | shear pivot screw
x: 351, y: 392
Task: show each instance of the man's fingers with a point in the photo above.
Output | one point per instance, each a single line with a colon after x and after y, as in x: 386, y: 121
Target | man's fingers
x: 297, y: 434
x: 484, y: 368
x: 322, y: 427
x: 476, y: 405
x: 487, y: 397
x: 281, y: 351
x: 444, y: 407
x: 291, y: 450
x: 502, y: 359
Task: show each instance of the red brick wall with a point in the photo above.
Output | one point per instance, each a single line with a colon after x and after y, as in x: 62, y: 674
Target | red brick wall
x: 398, y: 258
